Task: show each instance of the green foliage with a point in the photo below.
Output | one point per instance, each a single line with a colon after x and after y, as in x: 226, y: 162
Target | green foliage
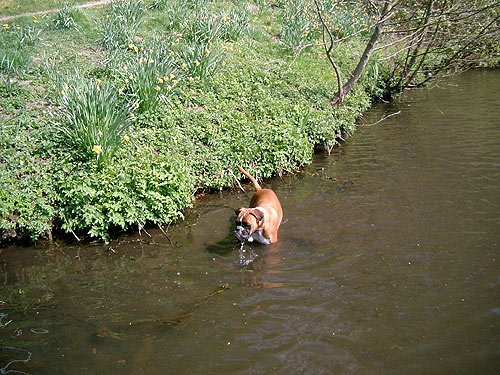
x: 202, y: 27
x: 105, y: 169
x: 175, y: 100
x: 174, y: 12
x: 346, y: 19
x: 26, y: 191
x: 13, y: 62
x: 95, y: 120
x: 233, y: 24
x: 300, y: 22
x: 296, y: 23
x: 142, y: 186
x: 25, y: 35
x: 15, y: 54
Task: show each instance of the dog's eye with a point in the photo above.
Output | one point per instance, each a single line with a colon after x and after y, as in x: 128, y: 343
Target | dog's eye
x: 245, y: 225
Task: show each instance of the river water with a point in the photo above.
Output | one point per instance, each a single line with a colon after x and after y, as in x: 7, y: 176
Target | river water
x: 388, y: 262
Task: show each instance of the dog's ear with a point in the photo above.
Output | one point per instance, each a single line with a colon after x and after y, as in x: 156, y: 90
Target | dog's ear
x: 238, y: 210
x: 259, y: 215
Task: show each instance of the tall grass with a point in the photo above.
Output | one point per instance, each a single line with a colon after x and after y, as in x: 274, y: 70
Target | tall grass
x: 15, y: 50
x: 64, y: 19
x: 95, y: 119
x: 174, y: 12
x: 296, y: 24
x: 234, y: 23
x: 200, y: 60
x: 201, y: 27
x: 120, y: 24
x: 13, y: 62
x: 147, y: 74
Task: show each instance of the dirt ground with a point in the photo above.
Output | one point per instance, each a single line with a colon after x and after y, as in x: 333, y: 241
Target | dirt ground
x: 90, y: 4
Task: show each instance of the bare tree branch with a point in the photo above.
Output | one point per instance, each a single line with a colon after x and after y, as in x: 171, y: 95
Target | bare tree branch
x: 328, y: 50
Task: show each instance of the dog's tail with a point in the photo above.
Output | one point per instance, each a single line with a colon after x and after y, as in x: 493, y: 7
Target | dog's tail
x: 250, y: 177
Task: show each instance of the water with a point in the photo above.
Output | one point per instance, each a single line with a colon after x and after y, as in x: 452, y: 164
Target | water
x: 388, y: 262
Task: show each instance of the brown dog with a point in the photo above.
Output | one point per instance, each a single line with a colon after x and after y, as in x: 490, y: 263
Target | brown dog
x: 262, y: 219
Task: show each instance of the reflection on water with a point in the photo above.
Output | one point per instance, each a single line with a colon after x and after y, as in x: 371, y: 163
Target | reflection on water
x: 387, y: 263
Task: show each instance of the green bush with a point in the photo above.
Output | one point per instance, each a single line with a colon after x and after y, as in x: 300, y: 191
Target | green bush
x: 27, y: 198
x: 142, y: 186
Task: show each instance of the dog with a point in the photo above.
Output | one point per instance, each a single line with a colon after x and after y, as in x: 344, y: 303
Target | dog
x: 261, y: 220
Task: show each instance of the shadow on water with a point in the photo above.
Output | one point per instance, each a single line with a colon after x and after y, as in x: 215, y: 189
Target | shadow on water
x: 386, y: 263
x: 224, y: 246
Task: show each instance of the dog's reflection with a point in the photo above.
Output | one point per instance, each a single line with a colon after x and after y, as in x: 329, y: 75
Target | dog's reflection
x: 253, y: 260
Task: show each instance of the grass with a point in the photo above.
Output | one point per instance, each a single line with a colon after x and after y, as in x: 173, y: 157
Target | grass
x: 101, y: 136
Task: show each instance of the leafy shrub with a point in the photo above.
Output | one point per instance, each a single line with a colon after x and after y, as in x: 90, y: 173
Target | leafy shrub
x: 26, y: 191
x: 142, y: 185
x: 95, y: 120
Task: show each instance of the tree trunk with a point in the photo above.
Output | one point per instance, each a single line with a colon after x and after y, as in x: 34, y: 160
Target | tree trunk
x: 365, y: 57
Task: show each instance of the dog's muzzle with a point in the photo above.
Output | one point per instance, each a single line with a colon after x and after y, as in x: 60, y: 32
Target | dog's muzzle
x: 241, y: 233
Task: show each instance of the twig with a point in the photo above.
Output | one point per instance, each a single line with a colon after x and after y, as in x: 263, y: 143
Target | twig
x: 74, y: 234
x: 141, y: 227
x: 61, y: 251
x: 237, y: 181
x: 165, y: 232
x: 382, y: 119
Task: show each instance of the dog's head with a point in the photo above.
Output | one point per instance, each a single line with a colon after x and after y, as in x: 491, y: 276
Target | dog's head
x: 248, y: 220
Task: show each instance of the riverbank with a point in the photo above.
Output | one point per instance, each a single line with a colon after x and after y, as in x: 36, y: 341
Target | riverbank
x: 115, y: 118
x: 224, y: 90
